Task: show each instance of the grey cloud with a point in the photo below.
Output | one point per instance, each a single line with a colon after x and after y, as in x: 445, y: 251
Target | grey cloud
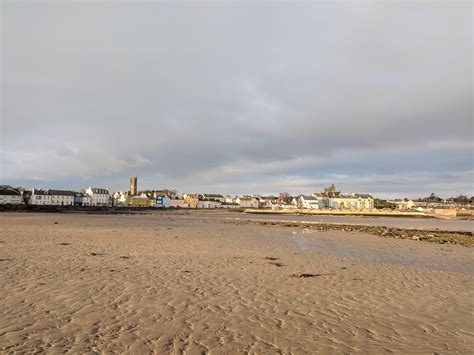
x: 236, y: 94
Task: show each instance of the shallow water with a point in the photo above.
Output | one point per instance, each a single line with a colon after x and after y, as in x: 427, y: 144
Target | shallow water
x: 387, y: 252
x: 393, y: 222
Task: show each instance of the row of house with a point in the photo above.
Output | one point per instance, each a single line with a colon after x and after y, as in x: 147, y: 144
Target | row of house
x: 402, y: 205
x: 170, y: 199
x: 89, y: 197
x: 423, y: 204
x: 340, y: 202
x: 327, y: 199
x: 208, y: 201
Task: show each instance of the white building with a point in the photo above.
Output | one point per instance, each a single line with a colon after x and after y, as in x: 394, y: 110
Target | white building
x: 99, y: 196
x: 247, y: 202
x: 120, y: 199
x: 62, y: 197
x: 86, y: 200
x: 9, y: 195
x: 402, y: 204
x: 214, y: 197
x: 208, y: 204
x: 228, y: 199
x: 352, y: 202
x: 364, y: 201
x: 309, y: 202
x: 40, y: 197
x: 267, y: 202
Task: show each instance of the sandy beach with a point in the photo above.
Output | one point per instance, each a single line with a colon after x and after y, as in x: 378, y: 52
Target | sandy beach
x: 172, y: 283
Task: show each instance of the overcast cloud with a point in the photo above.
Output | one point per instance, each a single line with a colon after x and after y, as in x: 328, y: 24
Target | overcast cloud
x: 239, y: 97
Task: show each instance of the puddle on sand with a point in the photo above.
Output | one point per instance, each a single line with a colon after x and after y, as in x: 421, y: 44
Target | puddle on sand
x: 387, y: 255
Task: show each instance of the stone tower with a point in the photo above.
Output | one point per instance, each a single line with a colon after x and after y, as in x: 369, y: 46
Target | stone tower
x: 133, y: 185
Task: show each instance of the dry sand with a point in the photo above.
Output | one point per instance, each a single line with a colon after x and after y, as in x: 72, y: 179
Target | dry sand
x: 171, y: 284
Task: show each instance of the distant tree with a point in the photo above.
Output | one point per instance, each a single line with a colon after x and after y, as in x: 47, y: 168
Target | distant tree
x: 283, y: 195
x: 461, y: 199
x: 431, y: 198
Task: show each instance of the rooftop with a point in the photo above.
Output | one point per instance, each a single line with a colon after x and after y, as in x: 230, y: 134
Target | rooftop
x: 61, y: 193
x: 9, y: 191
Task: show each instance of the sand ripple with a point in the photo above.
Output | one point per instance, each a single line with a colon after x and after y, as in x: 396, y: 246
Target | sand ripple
x: 107, y: 284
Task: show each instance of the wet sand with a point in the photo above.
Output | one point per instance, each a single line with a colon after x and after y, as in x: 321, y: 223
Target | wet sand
x: 177, y: 283
x: 393, y: 222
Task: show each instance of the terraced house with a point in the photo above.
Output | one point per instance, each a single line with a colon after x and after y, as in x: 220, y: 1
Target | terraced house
x: 352, y: 202
x: 99, y: 196
x: 309, y: 202
x: 82, y: 199
x: 40, y: 197
x: 191, y: 200
x: 9, y: 195
x: 247, y: 202
x: 331, y: 198
x: 163, y: 201
x: 208, y: 203
x: 363, y: 201
x: 62, y: 197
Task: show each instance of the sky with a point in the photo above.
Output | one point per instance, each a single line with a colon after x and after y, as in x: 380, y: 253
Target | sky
x: 239, y: 97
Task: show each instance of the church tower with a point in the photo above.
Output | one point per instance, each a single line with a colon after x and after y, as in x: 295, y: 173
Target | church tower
x: 133, y: 185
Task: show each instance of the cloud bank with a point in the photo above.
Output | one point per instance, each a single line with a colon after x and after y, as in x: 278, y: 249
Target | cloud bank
x: 238, y: 97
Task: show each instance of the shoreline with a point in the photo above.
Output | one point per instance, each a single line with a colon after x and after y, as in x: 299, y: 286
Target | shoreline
x: 463, y: 238
x: 392, y: 214
x: 267, y: 212
x: 438, y: 233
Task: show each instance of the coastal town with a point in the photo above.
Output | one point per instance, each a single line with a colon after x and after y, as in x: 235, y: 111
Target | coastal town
x: 328, y: 199
x: 236, y: 177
